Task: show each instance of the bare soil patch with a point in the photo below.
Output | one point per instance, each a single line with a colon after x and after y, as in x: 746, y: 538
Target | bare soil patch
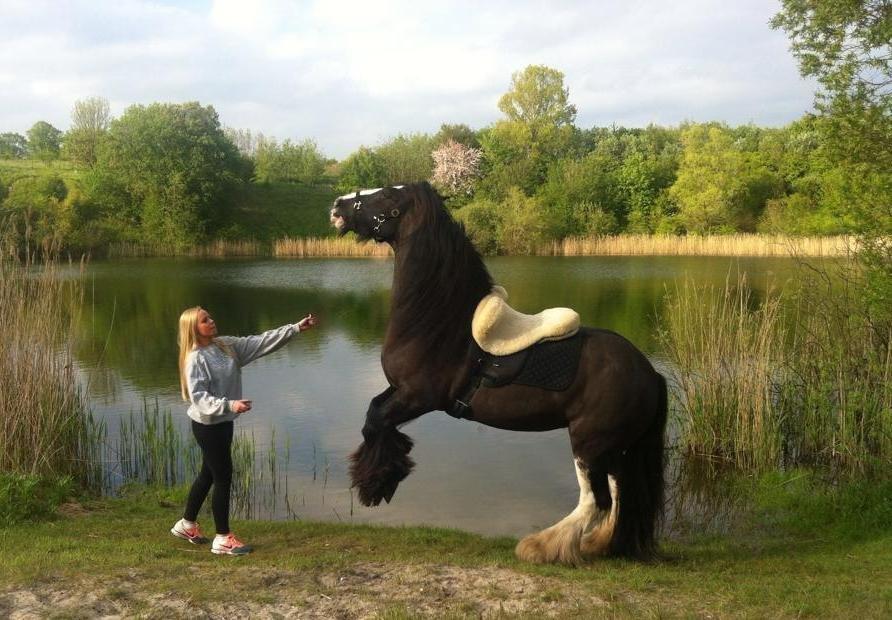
x: 363, y: 590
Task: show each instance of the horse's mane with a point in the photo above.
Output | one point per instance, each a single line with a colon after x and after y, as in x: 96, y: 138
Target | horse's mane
x: 440, y: 278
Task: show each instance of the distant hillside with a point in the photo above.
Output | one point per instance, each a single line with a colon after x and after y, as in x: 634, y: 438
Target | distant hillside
x: 13, y: 169
x: 262, y: 211
x: 267, y: 211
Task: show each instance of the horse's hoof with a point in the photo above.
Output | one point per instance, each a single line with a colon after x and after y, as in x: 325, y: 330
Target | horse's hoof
x: 550, y: 546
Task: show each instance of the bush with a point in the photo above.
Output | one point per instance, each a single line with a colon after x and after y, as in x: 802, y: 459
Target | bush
x: 33, y: 211
x: 31, y: 498
x: 523, y: 224
x: 481, y: 221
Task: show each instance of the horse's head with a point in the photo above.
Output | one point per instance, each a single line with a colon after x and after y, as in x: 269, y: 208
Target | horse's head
x: 371, y: 213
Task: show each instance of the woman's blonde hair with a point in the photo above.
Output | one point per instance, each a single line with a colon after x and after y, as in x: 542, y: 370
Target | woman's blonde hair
x: 187, y: 336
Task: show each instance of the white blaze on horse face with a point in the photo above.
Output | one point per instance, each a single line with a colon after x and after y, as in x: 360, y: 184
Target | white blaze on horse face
x: 366, y: 192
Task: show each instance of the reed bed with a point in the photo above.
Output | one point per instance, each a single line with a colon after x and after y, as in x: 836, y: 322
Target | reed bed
x: 153, y: 447
x: 838, y: 387
x: 215, y: 249
x: 45, y: 424
x: 803, y: 377
x: 692, y: 245
x: 342, y: 247
x: 619, y: 245
x: 724, y: 356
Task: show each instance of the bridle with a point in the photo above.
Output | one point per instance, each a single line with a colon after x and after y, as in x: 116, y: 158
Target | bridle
x: 379, y: 220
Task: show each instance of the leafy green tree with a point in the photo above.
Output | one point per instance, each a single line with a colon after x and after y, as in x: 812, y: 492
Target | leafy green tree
x: 13, y: 146
x: 522, y: 224
x: 33, y: 211
x: 362, y: 169
x: 582, y: 196
x: 845, y: 44
x: 720, y: 188
x: 481, y: 220
x: 537, y: 131
x: 538, y: 98
x: 89, y: 125
x: 407, y: 158
x: 460, y: 133
x: 510, y: 159
x: 289, y: 162
x: 44, y: 141
x: 169, y: 170
x: 648, y: 169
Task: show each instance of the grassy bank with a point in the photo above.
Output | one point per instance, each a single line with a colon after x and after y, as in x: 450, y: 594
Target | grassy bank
x: 799, y: 549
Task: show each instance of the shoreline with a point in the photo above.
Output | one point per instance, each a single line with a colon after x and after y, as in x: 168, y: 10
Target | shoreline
x: 739, y: 245
x: 785, y: 560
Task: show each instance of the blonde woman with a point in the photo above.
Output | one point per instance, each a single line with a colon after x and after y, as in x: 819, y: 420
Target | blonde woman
x: 211, y: 382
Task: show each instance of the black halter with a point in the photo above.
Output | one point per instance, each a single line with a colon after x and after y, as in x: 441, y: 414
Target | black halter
x: 379, y: 219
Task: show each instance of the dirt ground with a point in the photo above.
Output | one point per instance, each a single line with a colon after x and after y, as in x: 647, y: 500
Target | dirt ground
x: 361, y: 591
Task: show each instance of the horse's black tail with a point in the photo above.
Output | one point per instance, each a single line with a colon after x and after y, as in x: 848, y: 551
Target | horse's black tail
x: 640, y: 488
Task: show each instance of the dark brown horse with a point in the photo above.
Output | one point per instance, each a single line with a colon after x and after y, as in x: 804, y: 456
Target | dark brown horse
x: 614, y: 409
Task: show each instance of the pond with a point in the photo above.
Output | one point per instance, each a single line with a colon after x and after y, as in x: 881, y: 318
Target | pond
x: 310, y: 398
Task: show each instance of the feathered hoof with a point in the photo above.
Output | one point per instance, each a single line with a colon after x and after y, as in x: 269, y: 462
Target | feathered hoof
x: 379, y: 465
x: 596, y: 543
x: 550, y: 547
x: 531, y: 549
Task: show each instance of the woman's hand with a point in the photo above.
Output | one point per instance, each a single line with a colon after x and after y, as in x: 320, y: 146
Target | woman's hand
x: 308, y: 322
x: 241, y: 406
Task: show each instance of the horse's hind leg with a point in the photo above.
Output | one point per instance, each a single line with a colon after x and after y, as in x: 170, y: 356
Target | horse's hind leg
x: 596, y: 541
x: 563, y: 542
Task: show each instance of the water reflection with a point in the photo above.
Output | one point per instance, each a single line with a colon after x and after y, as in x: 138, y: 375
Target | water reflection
x: 313, y: 394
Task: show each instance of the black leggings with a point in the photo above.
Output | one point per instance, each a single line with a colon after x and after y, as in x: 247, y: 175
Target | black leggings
x: 215, y: 441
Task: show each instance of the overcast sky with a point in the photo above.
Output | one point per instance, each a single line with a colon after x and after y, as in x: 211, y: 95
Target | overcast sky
x: 350, y: 73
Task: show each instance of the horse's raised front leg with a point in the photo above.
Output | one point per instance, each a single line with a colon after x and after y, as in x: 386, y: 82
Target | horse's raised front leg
x: 382, y: 460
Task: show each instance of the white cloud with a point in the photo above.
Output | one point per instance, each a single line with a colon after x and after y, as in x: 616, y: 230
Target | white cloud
x: 346, y: 72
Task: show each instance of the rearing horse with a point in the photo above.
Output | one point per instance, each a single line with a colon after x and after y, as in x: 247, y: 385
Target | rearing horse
x: 614, y: 408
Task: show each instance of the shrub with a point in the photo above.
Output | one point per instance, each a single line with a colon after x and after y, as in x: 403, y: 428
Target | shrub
x: 31, y: 498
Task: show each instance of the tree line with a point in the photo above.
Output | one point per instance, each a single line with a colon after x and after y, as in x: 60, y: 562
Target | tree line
x: 172, y: 173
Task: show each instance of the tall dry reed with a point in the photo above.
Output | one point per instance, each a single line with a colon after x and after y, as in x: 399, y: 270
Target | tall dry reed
x: 329, y: 247
x: 693, y: 245
x: 215, y: 249
x: 45, y: 424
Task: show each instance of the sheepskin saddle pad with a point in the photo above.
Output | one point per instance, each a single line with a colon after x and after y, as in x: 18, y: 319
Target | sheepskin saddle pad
x: 499, y: 329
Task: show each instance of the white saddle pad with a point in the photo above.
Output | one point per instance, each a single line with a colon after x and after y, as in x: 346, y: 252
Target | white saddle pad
x: 499, y: 329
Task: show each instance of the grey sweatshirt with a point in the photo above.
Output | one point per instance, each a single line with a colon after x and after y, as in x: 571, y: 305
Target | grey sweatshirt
x: 214, y: 377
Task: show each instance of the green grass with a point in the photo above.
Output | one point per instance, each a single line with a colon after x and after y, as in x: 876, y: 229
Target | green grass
x: 14, y: 169
x: 269, y: 211
x: 802, y: 549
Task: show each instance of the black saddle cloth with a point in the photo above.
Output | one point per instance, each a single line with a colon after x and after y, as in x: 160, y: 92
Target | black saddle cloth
x: 550, y: 365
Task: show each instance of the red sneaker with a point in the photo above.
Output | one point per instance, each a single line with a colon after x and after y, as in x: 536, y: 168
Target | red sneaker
x: 192, y: 534
x: 228, y: 544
